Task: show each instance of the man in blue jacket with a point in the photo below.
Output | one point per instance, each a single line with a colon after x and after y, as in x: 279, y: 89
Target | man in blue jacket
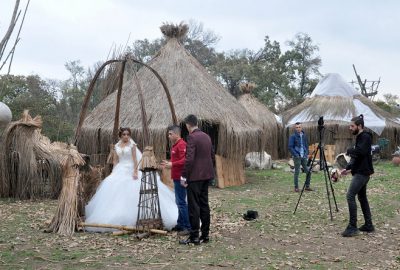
x: 298, y: 147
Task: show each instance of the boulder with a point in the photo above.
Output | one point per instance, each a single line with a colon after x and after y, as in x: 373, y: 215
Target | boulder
x: 5, y: 115
x: 257, y: 160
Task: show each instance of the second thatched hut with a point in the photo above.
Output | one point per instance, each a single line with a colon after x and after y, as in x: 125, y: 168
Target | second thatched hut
x: 269, y: 122
x: 337, y: 101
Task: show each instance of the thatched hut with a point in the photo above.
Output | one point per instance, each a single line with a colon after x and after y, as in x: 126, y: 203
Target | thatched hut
x: 269, y: 122
x: 337, y: 101
x: 193, y: 91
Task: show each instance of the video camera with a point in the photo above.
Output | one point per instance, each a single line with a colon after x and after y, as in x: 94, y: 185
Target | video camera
x: 321, y: 123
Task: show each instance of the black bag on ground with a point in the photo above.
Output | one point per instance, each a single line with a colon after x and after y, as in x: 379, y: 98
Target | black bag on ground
x: 250, y: 215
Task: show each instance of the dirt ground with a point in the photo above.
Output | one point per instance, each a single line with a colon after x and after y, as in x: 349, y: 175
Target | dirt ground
x: 278, y: 239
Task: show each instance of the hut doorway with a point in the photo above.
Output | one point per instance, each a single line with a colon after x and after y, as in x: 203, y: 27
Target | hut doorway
x: 209, y: 128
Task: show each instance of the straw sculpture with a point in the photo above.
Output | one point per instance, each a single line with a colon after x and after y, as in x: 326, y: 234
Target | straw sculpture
x: 193, y: 91
x: 65, y: 219
x: 30, y: 164
x: 265, y: 119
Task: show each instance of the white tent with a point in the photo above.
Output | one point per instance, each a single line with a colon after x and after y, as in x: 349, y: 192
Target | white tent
x: 336, y: 100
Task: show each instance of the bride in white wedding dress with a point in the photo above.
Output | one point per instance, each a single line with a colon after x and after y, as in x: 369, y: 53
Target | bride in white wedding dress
x: 117, y: 197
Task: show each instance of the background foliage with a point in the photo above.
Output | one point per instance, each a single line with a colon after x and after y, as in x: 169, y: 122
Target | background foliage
x: 283, y: 78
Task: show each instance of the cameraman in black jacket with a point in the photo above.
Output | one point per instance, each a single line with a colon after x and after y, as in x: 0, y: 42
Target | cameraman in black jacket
x: 361, y: 168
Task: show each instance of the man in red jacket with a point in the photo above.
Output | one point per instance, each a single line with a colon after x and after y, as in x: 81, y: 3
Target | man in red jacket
x: 178, y: 153
x: 197, y: 172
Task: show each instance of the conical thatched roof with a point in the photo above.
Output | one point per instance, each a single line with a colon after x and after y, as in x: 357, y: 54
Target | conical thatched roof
x: 265, y: 119
x: 333, y: 85
x: 193, y: 91
x: 337, y: 101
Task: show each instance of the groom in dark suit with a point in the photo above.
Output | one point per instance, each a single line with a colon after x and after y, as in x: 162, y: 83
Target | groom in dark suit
x: 197, y: 172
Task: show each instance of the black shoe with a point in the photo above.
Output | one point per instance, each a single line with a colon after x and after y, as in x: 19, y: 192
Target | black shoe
x: 367, y: 228
x: 204, y: 239
x: 190, y: 240
x: 183, y: 232
x: 350, y: 231
x: 176, y: 229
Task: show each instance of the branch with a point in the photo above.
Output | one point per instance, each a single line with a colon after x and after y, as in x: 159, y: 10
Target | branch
x: 13, y: 22
x: 17, y: 38
x: 9, y: 54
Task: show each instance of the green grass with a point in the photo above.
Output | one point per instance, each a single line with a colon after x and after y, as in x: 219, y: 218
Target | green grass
x: 278, y: 239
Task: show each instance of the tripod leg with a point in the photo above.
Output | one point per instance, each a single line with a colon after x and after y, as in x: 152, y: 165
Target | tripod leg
x: 307, y: 176
x: 330, y: 183
x: 326, y: 176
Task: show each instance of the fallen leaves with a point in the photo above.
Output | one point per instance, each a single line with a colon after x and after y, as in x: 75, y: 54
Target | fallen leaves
x: 277, y: 239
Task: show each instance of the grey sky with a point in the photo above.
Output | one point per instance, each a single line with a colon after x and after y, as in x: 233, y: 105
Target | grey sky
x: 365, y: 33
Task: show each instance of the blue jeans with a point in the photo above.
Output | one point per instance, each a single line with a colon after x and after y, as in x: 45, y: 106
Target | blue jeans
x: 180, y: 199
x: 303, y: 162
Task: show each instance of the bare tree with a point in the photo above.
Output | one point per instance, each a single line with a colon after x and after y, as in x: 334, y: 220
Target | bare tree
x: 369, y: 91
x: 4, y: 41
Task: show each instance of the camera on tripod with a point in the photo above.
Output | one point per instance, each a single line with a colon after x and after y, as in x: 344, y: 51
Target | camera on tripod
x: 321, y: 123
x: 323, y: 166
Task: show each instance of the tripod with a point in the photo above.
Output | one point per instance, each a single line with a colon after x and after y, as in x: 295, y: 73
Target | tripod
x: 324, y: 167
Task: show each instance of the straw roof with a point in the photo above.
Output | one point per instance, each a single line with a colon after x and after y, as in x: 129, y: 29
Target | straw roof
x: 193, y: 91
x: 265, y: 119
x: 337, y: 101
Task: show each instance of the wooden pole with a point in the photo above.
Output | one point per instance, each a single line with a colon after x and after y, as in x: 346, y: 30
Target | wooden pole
x: 122, y: 228
x: 169, y: 99
x: 119, y: 233
x: 118, y: 103
x: 146, y: 136
x: 89, y: 92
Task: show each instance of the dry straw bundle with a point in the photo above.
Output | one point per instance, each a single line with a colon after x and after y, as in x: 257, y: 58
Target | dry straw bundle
x: 30, y: 165
x: 177, y: 31
x: 33, y: 167
x: 65, y: 219
x: 148, y: 160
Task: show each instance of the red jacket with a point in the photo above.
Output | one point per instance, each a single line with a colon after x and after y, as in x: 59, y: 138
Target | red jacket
x: 178, y: 153
x: 199, y: 157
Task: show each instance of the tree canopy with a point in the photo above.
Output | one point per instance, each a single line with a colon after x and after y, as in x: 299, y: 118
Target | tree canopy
x: 282, y: 79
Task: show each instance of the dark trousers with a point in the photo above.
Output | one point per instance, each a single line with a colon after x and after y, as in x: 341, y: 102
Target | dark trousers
x: 180, y: 199
x: 199, y: 210
x: 358, y: 186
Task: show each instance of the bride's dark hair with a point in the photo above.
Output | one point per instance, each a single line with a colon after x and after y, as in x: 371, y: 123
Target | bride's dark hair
x: 122, y: 129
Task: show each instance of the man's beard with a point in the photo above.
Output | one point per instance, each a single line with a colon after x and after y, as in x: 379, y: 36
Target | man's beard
x: 355, y: 132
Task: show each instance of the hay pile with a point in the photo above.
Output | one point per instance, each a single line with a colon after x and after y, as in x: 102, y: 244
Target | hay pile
x: 30, y: 164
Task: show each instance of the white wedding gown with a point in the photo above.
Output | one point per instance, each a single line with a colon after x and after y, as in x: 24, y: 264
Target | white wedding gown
x: 117, y: 197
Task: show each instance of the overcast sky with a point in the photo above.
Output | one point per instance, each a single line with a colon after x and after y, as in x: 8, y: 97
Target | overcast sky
x: 365, y: 32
